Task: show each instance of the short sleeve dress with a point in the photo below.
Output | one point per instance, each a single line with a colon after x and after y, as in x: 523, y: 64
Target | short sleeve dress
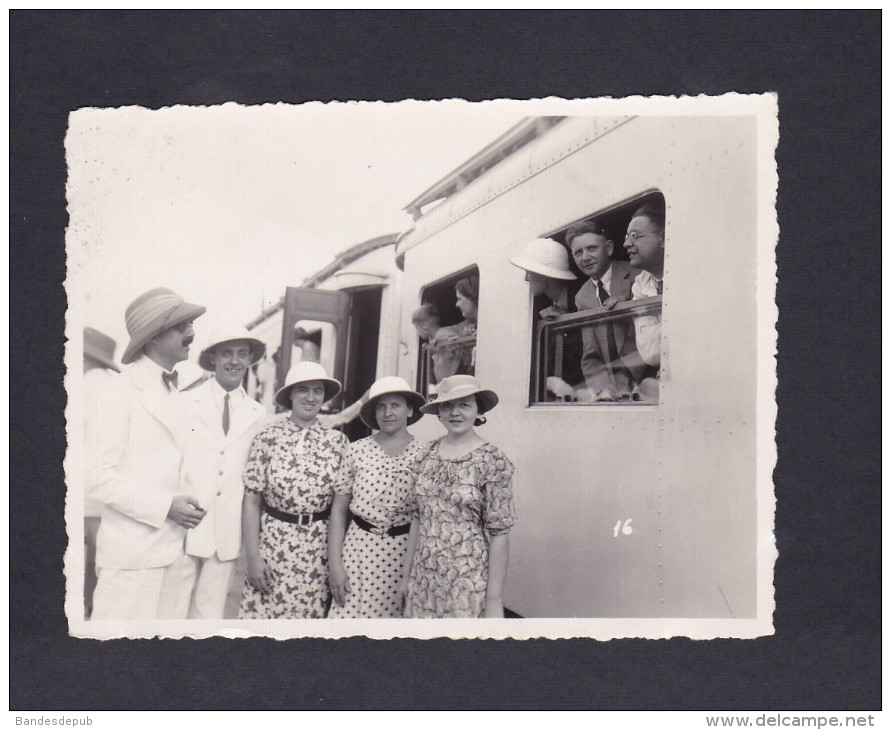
x: 296, y: 470
x: 461, y: 503
x: 381, y: 490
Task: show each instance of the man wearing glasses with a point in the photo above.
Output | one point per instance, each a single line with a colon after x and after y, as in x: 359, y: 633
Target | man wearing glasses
x: 142, y: 567
x: 645, y: 243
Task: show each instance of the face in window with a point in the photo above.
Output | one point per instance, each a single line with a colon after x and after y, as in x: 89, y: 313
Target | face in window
x: 231, y: 361
x: 466, y: 305
x: 425, y: 329
x: 392, y: 413
x: 458, y: 415
x: 646, y: 245
x: 592, y: 253
x: 307, y: 400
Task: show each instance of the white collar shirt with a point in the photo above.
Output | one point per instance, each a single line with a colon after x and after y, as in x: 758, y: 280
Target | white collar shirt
x: 147, y: 373
x: 219, y: 394
x: 607, y: 279
x: 645, y: 285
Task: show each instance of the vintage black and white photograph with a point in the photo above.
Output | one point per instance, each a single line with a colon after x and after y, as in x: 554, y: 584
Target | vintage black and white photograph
x: 349, y: 367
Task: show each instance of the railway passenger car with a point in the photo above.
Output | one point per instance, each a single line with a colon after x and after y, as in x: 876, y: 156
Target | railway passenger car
x: 644, y: 507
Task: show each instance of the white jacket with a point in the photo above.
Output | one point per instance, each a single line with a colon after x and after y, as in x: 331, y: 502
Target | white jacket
x: 213, y: 466
x: 141, y: 439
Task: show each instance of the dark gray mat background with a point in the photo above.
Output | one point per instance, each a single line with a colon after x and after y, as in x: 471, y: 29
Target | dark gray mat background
x: 826, y: 68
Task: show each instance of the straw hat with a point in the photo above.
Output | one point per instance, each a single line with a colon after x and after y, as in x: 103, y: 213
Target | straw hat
x: 153, y: 313
x: 100, y: 347
x: 545, y: 257
x: 304, y: 372
x: 461, y: 386
x: 231, y: 334
x: 390, y: 385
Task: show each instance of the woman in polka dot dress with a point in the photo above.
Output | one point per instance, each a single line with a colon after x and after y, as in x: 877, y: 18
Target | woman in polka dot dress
x: 365, y: 566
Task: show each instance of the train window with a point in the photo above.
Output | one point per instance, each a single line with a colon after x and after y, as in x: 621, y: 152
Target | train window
x: 598, y: 335
x: 446, y: 327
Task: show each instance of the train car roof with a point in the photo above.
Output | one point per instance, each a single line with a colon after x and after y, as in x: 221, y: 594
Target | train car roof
x: 513, y: 139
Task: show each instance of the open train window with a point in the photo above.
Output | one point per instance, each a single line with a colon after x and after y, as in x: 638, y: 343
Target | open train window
x: 445, y: 323
x: 597, y: 337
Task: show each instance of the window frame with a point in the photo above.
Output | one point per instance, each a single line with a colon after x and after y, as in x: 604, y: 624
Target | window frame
x: 425, y: 363
x: 544, y: 332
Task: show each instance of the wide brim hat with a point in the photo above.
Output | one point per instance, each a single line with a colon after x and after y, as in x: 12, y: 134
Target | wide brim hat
x: 153, y: 313
x: 100, y: 347
x: 304, y: 372
x: 390, y: 385
x: 545, y: 257
x: 231, y: 334
x: 461, y: 386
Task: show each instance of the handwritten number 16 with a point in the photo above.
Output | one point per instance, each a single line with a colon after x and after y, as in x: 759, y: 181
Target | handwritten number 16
x: 625, y: 528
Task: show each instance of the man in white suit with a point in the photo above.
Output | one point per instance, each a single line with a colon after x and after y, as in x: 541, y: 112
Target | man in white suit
x: 143, y: 570
x: 222, y: 423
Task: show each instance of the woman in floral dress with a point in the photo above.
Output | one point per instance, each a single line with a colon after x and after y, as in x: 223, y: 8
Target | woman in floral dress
x: 458, y: 544
x: 294, y: 467
x: 365, y: 567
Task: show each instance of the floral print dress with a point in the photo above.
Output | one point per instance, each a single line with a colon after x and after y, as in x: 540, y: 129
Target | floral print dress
x: 460, y: 503
x: 381, y: 493
x: 295, y: 470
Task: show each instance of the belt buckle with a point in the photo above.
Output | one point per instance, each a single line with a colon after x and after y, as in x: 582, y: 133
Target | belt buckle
x: 378, y: 530
x: 305, y: 520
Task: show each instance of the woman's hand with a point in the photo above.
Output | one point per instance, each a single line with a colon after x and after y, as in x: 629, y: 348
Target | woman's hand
x: 258, y: 574
x: 494, y: 608
x: 339, y: 582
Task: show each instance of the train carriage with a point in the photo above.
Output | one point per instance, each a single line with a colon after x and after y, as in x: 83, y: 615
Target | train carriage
x: 645, y: 507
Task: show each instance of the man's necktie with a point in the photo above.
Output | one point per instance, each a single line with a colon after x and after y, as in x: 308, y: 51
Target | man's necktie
x: 171, y: 380
x: 226, y: 414
x: 602, y: 293
x: 658, y: 286
x: 612, y: 347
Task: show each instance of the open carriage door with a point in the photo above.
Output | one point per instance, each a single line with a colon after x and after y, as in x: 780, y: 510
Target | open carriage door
x: 316, y: 305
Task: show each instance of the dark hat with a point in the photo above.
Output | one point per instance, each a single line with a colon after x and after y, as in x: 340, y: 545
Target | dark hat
x: 100, y: 347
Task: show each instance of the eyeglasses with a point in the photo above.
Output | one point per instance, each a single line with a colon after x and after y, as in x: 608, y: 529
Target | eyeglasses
x: 634, y: 236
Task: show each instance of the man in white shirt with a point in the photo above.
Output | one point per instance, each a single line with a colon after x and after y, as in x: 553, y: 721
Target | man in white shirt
x: 645, y: 243
x: 610, y: 361
x: 143, y: 569
x: 222, y: 423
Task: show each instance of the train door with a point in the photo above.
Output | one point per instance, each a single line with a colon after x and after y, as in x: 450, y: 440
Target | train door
x: 316, y: 323
x: 361, y: 352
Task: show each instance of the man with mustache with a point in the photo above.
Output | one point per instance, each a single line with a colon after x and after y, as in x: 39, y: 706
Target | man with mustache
x: 222, y: 423
x: 144, y: 572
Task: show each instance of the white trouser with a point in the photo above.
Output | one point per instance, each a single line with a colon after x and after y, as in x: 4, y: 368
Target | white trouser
x: 211, y: 587
x: 145, y: 593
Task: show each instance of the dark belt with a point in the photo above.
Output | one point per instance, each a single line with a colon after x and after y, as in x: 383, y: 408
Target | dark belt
x: 375, y: 530
x: 305, y: 519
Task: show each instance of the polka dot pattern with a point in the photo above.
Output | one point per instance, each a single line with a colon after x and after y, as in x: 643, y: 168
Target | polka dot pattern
x: 381, y: 491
